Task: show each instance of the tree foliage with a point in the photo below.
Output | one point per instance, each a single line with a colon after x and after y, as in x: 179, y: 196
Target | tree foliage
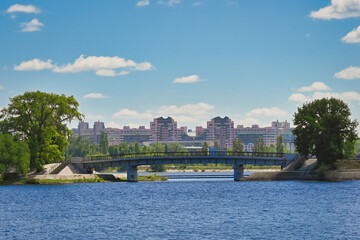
x: 14, y: 155
x: 40, y: 119
x: 237, y: 145
x: 324, y: 128
x: 280, y: 147
x: 104, y: 145
x: 259, y: 145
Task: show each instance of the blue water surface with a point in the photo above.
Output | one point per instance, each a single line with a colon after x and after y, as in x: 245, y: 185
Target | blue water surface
x: 182, y: 210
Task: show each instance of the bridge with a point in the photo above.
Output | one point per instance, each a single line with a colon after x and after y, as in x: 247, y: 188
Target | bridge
x: 237, y: 159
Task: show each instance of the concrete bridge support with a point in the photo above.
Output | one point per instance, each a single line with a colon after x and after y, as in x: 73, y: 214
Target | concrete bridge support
x: 238, y: 172
x: 132, y: 174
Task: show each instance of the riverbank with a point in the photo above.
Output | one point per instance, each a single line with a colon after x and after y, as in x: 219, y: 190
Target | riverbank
x: 343, y: 170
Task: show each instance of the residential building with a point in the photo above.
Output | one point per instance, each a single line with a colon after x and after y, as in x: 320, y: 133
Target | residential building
x: 164, y: 129
x: 221, y: 130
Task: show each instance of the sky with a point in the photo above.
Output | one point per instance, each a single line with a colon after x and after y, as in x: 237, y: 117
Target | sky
x: 129, y: 61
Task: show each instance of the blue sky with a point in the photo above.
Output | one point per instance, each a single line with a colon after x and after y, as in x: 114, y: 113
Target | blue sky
x: 129, y: 61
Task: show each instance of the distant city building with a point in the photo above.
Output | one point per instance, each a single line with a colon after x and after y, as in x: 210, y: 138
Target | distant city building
x: 249, y: 135
x: 164, y: 129
x: 189, y: 145
x: 91, y: 134
x: 221, y: 130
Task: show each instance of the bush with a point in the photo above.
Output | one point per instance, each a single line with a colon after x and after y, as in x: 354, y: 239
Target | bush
x: 322, y: 170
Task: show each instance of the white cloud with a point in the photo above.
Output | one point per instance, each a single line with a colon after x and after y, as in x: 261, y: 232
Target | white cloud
x: 248, y: 122
x: 197, y: 3
x: 34, y: 65
x: 143, y: 3
x: 185, y: 114
x: 187, y: 109
x: 1, y: 87
x: 113, y: 125
x: 95, y: 95
x: 268, y: 112
x: 349, y: 73
x: 298, y: 97
x: 32, y: 26
x: 106, y: 72
x: 126, y: 113
x: 23, y: 8
x: 316, y: 86
x: 94, y: 63
x: 173, y: 2
x: 102, y: 66
x: 353, y: 36
x: 338, y: 9
x: 188, y: 79
x: 346, y: 96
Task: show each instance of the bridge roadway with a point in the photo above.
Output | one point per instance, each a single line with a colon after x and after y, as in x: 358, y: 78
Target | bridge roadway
x: 237, y: 159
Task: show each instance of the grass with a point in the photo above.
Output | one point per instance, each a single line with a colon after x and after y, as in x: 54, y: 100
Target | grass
x: 347, y: 164
x: 31, y: 181
x: 152, y: 178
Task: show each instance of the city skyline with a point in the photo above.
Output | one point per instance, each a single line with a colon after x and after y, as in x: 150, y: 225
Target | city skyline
x: 187, y: 59
x: 165, y: 130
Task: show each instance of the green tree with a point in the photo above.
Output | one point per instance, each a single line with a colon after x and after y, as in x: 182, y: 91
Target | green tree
x: 175, y: 147
x: 357, y: 147
x: 104, y: 144
x: 14, y: 155
x: 78, y: 147
x: 114, y: 150
x: 323, y: 128
x: 280, y: 147
x: 158, y: 147
x: 205, y: 147
x: 159, y: 168
x: 237, y: 145
x: 259, y: 145
x: 217, y: 145
x: 137, y: 148
x: 41, y: 120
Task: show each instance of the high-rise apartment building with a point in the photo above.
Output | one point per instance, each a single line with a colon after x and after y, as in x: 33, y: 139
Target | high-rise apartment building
x: 128, y: 135
x: 221, y: 130
x: 91, y: 134
x: 164, y: 129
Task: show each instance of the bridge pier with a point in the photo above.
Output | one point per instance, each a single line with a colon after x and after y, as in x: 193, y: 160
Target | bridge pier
x: 132, y: 174
x: 238, y: 172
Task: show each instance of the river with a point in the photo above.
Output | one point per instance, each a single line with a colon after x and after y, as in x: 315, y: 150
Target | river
x: 220, y: 209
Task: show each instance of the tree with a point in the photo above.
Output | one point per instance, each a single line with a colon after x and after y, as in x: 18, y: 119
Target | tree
x: 237, y: 145
x: 137, y: 148
x: 114, y: 150
x: 259, y: 145
x: 280, y: 147
x: 205, y: 147
x: 78, y: 147
x: 104, y: 144
x: 41, y: 120
x: 324, y: 128
x: 14, y: 155
x: 217, y: 146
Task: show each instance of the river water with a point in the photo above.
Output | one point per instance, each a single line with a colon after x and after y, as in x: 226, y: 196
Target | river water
x: 195, y: 209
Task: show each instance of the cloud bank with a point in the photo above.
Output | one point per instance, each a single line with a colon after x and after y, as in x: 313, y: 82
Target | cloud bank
x: 102, y: 66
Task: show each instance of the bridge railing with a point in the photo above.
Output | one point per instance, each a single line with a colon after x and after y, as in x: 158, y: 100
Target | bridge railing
x: 190, y: 154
